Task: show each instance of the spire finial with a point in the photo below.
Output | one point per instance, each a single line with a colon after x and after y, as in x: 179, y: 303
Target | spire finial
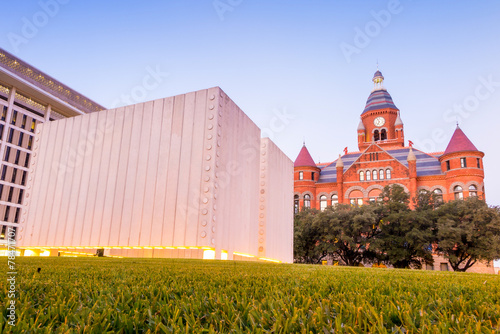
x: 411, y: 155
x: 303, y: 141
x: 378, y: 80
x: 339, y: 163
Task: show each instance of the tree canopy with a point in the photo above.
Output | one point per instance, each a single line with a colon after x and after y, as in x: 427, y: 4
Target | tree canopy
x: 388, y: 231
x: 468, y: 231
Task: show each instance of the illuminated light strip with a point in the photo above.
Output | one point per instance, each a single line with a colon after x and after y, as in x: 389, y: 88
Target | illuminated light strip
x: 243, y: 254
x: 270, y: 260
x: 126, y: 247
x: 76, y: 253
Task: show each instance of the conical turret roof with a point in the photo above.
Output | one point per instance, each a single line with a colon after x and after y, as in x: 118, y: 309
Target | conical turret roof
x: 361, y: 126
x: 398, y: 120
x: 459, y: 142
x: 304, y: 159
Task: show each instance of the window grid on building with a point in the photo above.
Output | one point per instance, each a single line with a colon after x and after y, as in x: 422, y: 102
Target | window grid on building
x: 19, y: 117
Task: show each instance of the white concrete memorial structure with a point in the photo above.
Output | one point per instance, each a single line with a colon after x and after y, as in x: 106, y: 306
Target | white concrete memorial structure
x: 186, y: 176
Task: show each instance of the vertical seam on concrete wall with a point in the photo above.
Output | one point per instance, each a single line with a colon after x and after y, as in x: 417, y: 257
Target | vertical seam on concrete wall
x: 146, y: 171
x: 88, y: 156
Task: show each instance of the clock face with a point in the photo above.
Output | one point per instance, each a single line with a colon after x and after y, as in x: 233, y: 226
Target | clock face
x: 379, y: 121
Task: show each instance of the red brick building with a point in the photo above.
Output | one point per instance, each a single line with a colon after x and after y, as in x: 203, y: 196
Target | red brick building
x: 383, y: 159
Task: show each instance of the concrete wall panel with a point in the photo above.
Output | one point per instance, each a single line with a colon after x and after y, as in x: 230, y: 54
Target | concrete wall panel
x: 183, y: 171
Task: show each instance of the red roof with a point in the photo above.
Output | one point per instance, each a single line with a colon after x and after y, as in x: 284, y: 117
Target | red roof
x: 459, y: 142
x: 304, y: 158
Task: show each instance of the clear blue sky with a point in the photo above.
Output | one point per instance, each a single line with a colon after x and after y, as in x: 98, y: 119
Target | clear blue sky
x: 310, y: 59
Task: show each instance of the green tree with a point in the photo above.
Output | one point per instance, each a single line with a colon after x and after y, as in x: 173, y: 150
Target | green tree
x: 468, y: 231
x: 306, y: 238
x: 346, y: 231
x: 406, y: 236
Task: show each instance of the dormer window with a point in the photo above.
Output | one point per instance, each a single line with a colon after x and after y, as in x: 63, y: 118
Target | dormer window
x: 301, y: 175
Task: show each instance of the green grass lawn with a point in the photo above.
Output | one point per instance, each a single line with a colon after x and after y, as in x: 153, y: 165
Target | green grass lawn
x: 100, y: 295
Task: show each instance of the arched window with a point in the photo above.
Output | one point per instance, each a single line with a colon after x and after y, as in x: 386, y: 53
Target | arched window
x: 459, y: 194
x: 374, y: 195
x: 375, y: 174
x: 361, y: 176
x: 376, y: 136
x: 388, y: 174
x: 356, y: 198
x: 296, y: 207
x: 356, y: 201
x: 335, y: 199
x: 368, y: 175
x: 307, y: 201
x: 381, y: 174
x: 438, y: 194
x: 322, y: 202
x: 472, y: 191
x: 383, y: 134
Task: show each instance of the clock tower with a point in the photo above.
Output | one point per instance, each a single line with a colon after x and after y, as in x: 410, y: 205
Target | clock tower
x: 380, y: 121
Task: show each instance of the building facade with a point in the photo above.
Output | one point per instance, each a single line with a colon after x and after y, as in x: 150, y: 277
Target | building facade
x: 187, y: 176
x: 28, y: 98
x: 383, y: 159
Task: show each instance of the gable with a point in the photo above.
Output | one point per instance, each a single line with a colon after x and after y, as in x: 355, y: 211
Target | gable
x: 375, y: 158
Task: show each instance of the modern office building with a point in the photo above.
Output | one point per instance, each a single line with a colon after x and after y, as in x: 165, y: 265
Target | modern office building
x: 28, y: 98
